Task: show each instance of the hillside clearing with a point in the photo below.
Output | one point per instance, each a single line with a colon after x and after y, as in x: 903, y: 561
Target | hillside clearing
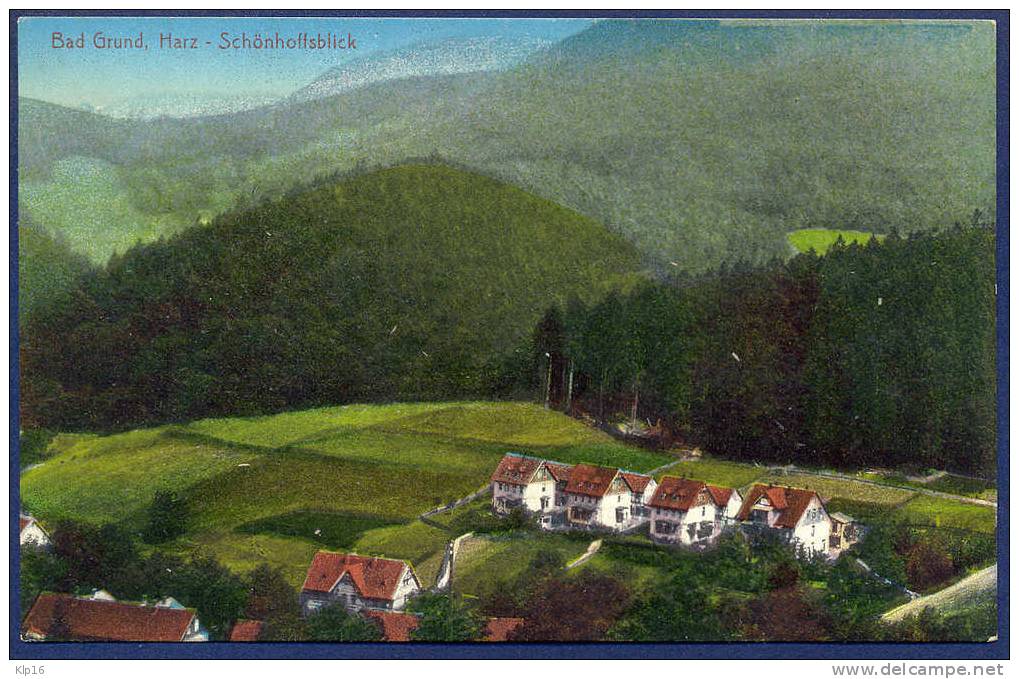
x: 820, y: 240
x: 259, y: 488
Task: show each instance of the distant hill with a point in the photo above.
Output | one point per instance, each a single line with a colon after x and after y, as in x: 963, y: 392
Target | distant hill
x: 456, y: 55
x: 419, y: 281
x: 701, y: 142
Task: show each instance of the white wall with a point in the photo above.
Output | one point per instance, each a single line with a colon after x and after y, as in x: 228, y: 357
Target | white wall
x: 813, y: 529
x: 33, y: 533
x: 407, y: 588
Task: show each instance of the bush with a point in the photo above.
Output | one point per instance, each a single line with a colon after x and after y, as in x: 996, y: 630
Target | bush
x: 335, y: 623
x: 928, y: 565
x: 167, y: 518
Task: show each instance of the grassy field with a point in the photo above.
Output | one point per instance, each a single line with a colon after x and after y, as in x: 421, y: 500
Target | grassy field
x: 943, y: 513
x: 720, y: 472
x: 489, y: 561
x: 277, y: 488
x: 976, y: 592
x: 819, y: 240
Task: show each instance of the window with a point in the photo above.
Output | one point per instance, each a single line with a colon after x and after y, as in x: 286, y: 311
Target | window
x: 704, y: 510
x: 812, y: 530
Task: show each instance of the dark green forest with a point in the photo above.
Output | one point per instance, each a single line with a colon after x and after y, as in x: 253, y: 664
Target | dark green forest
x: 427, y: 282
x: 416, y: 282
x: 880, y: 354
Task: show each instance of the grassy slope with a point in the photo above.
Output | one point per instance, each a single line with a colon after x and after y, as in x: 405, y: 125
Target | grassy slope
x: 260, y: 487
x: 819, y: 240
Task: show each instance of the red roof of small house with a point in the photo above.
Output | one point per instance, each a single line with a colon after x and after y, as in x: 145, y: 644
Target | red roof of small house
x: 374, y: 578
x: 559, y: 471
x: 636, y: 482
x: 498, y: 629
x: 790, y: 502
x: 677, y: 493
x: 25, y: 521
x: 246, y: 630
x: 99, y: 620
x: 720, y: 495
x: 394, y: 626
x: 587, y: 479
x: 515, y: 469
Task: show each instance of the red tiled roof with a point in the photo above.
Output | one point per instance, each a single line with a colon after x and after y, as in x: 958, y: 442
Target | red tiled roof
x: 246, y: 630
x: 498, y: 629
x: 25, y: 522
x: 373, y: 577
x: 395, y: 626
x: 515, y: 469
x: 97, y: 620
x: 636, y: 482
x: 559, y: 472
x: 720, y: 495
x: 790, y: 502
x: 677, y: 493
x: 586, y: 479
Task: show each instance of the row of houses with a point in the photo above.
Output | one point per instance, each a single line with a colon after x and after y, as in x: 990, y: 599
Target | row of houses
x: 373, y: 587
x: 677, y: 510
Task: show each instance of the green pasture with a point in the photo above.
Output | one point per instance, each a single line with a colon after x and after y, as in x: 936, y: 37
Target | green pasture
x: 819, y: 240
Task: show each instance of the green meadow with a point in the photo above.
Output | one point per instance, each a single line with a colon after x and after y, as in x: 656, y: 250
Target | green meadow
x: 819, y: 240
x: 276, y: 488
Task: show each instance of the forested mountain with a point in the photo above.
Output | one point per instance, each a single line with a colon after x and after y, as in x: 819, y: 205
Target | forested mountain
x: 415, y: 282
x: 701, y: 141
x: 871, y: 355
x: 47, y: 268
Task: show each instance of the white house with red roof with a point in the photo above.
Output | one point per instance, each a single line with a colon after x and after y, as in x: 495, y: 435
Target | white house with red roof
x: 357, y: 582
x: 691, y: 513
x: 524, y: 482
x: 32, y: 532
x: 798, y: 515
x: 70, y: 618
x: 580, y: 495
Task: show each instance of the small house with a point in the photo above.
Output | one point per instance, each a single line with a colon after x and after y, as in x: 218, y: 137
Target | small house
x: 32, y: 533
x: 357, y: 582
x: 691, y: 513
x: 393, y: 625
x: 64, y: 617
x: 845, y: 532
x: 797, y: 515
x: 246, y: 630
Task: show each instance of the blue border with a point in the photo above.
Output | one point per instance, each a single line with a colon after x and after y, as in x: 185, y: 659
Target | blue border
x: 998, y: 650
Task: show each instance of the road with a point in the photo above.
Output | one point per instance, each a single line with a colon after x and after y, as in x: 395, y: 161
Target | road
x: 793, y: 469
x: 964, y: 589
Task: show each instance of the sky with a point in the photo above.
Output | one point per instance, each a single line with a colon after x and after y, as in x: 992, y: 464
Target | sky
x: 98, y: 77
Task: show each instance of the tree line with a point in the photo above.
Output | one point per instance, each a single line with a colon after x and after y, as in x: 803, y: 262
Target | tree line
x: 880, y: 354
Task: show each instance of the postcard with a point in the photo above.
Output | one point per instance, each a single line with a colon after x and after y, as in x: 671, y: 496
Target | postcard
x: 508, y: 333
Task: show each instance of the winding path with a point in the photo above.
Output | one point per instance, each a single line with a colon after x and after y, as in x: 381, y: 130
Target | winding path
x: 793, y: 469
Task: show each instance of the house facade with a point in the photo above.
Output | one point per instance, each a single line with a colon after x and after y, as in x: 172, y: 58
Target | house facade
x: 523, y: 482
x: 691, y: 513
x: 32, y: 532
x: 70, y: 618
x: 579, y: 496
x: 357, y: 582
x: 797, y: 515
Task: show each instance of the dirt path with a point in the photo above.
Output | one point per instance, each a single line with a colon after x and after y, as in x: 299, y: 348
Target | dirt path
x: 668, y: 465
x: 592, y: 549
x: 964, y: 589
x: 793, y: 469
